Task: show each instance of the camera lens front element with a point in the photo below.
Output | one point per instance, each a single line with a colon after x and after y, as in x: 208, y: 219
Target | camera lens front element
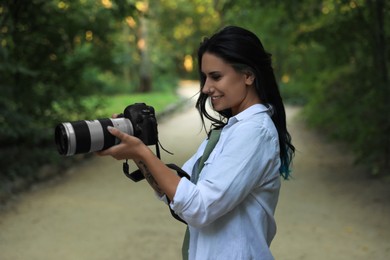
x: 89, y: 136
x: 64, y: 137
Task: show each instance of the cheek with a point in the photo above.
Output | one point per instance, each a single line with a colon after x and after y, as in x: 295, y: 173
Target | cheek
x: 234, y: 96
x: 237, y: 89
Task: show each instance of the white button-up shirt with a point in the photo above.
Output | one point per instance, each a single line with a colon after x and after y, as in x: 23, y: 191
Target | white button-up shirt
x: 230, y: 211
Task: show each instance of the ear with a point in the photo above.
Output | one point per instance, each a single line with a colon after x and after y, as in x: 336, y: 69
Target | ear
x: 249, y: 78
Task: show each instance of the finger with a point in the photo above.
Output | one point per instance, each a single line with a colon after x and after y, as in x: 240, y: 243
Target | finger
x: 101, y: 153
x: 115, y: 115
x: 109, y: 151
x: 116, y: 132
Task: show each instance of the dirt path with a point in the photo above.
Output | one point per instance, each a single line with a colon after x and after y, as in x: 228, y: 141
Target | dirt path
x: 329, y: 210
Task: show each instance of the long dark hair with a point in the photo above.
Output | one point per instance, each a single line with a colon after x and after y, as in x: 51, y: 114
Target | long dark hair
x: 245, y: 52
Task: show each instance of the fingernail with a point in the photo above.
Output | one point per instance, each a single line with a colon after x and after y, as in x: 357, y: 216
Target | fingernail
x: 109, y: 128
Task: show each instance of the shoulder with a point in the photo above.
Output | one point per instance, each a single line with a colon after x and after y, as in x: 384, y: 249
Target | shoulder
x: 259, y: 124
x: 256, y: 119
x: 255, y: 134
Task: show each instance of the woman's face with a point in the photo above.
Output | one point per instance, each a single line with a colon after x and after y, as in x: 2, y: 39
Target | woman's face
x: 226, y: 87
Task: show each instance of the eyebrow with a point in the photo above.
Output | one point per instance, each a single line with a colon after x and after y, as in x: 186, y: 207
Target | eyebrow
x: 211, y: 73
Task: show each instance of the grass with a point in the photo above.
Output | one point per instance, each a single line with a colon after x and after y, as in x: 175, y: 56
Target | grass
x: 117, y: 103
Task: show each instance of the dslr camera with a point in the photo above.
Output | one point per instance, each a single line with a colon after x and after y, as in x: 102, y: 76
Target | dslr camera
x: 87, y: 136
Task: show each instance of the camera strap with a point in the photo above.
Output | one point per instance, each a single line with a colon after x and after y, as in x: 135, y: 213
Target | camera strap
x: 137, y: 176
x: 182, y: 174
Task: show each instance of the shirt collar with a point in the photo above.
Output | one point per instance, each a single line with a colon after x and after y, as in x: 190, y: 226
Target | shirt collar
x: 250, y: 111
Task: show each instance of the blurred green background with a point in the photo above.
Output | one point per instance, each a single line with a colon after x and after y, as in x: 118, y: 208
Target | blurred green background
x: 87, y: 59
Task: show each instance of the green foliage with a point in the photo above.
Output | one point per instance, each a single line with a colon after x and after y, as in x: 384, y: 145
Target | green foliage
x: 179, y: 26
x: 348, y: 94
x: 114, y: 104
x: 46, y: 47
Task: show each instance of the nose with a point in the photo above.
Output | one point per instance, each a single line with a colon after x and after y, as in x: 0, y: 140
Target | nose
x: 207, y: 89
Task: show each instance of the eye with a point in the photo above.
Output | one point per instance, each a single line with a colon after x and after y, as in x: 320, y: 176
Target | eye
x: 215, y: 76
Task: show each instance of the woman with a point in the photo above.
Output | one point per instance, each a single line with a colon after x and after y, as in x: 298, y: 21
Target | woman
x: 230, y: 201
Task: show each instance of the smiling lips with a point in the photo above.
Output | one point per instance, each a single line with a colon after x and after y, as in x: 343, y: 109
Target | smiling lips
x: 215, y: 97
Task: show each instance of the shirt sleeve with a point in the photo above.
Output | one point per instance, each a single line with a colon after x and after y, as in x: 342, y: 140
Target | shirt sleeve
x: 241, y: 162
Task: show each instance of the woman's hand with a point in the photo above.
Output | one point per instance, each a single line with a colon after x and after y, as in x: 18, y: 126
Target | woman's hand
x: 114, y: 115
x: 130, y: 147
x: 161, y: 178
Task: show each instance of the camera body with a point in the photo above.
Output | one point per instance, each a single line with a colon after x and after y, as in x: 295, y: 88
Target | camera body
x: 86, y: 136
x: 144, y: 122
